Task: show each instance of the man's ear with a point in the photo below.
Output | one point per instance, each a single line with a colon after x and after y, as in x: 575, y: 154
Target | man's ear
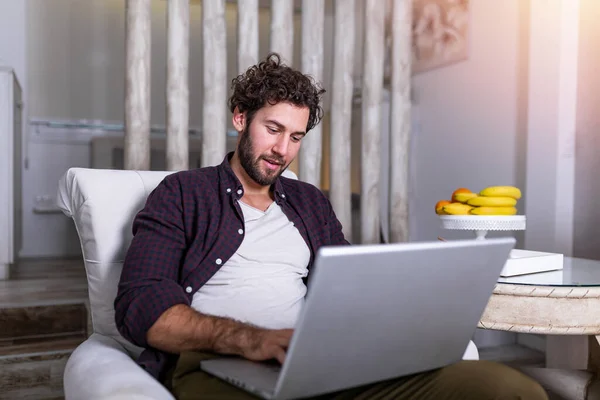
x: 239, y: 120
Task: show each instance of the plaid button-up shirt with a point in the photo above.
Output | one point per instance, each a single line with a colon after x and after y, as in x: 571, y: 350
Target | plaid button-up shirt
x: 189, y: 227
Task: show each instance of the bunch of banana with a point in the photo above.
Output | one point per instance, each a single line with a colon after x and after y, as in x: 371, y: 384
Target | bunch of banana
x: 493, y: 200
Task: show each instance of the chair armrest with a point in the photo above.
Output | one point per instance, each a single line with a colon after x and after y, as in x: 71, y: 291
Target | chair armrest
x: 471, y: 353
x: 101, y: 369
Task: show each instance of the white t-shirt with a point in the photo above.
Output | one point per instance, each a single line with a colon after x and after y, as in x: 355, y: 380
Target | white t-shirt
x: 262, y: 282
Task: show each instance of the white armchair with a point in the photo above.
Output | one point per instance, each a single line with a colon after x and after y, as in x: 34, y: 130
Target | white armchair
x: 103, y: 204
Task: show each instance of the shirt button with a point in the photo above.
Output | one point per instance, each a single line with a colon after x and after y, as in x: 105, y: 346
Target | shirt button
x: 228, y: 190
x: 239, y: 191
x: 219, y: 261
x: 240, y: 231
x: 188, y: 289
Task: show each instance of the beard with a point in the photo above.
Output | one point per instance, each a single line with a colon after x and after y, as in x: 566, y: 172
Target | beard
x: 252, y: 165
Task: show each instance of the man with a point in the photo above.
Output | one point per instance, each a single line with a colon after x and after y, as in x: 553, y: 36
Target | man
x: 220, y: 255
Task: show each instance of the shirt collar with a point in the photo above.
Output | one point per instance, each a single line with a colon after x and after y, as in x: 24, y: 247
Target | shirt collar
x: 232, y: 185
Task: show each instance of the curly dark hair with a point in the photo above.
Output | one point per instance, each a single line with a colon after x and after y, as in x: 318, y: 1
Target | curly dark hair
x: 274, y: 82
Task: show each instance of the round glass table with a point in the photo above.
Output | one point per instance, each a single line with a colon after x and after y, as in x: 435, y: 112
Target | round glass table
x: 576, y: 272
x: 563, y: 304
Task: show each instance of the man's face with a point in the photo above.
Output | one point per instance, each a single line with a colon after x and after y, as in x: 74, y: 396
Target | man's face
x: 271, y: 141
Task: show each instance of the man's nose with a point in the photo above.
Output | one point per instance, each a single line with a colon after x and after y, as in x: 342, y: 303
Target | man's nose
x: 282, y: 145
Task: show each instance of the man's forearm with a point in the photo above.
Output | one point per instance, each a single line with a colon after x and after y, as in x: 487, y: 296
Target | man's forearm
x: 181, y: 328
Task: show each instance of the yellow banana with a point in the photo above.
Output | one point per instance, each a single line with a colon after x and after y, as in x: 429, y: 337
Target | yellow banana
x: 457, y: 209
x: 501, y: 191
x: 494, y: 210
x: 492, y: 201
x: 463, y: 197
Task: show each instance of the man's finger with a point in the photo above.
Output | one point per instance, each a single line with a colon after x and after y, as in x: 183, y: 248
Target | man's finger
x: 285, y: 335
x: 280, y: 355
x: 283, y: 341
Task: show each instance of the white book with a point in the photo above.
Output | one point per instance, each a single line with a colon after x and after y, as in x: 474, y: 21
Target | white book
x: 521, y: 262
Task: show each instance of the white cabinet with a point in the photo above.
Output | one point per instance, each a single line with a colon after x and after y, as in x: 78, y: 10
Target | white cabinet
x: 10, y: 169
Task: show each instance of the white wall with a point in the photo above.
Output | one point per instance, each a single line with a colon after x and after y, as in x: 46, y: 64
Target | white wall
x: 469, y: 117
x: 552, y: 109
x: 587, y: 162
x: 469, y: 123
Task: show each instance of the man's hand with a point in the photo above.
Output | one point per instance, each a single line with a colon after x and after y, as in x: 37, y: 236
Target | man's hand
x: 263, y: 344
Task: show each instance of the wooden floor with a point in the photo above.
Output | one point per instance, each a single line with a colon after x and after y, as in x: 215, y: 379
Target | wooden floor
x: 44, y: 282
x: 43, y: 308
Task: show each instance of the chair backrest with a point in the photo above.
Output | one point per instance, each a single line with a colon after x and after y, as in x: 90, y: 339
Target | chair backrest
x: 103, y: 204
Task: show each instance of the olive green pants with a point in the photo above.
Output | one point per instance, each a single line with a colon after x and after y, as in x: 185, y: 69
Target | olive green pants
x: 480, y: 380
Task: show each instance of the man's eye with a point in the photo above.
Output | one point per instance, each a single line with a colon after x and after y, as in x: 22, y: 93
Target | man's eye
x: 296, y: 139
x: 272, y: 130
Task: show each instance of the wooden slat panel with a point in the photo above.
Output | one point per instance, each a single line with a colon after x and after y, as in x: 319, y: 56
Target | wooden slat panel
x: 247, y: 34
x: 178, y: 48
x: 341, y: 112
x: 400, y: 119
x: 214, y: 118
x: 282, y: 40
x: 372, y: 91
x: 282, y: 29
x: 313, y: 17
x: 137, y: 85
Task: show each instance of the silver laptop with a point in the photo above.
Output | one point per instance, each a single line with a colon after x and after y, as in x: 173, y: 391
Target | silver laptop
x: 377, y: 312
